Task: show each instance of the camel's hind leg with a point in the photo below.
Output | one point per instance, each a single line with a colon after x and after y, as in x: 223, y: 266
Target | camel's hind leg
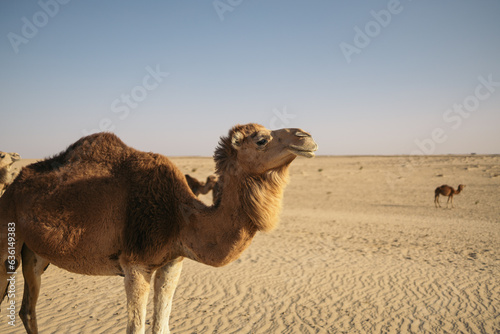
x: 137, y: 280
x: 33, y: 268
x: 166, y: 280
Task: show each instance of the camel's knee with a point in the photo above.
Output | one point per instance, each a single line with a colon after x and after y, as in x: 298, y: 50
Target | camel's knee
x: 28, y: 318
x: 25, y: 314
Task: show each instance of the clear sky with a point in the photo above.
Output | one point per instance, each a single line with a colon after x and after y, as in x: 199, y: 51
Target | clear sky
x: 364, y: 77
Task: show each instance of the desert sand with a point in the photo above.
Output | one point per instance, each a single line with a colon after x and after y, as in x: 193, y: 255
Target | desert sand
x: 360, y: 249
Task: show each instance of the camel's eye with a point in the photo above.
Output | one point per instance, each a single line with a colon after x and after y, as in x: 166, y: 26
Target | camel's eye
x: 2, y: 156
x: 262, y: 142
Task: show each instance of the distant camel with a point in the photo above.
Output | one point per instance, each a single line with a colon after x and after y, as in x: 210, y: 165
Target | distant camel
x: 199, y: 187
x: 446, y: 190
x: 103, y: 208
x: 6, y: 175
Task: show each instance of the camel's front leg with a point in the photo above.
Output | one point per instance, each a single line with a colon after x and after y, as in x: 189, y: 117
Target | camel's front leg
x: 166, y: 280
x: 137, y: 279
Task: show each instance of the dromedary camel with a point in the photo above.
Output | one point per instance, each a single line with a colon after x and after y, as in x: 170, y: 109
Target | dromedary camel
x: 446, y: 190
x: 199, y: 187
x: 6, y: 175
x: 103, y: 208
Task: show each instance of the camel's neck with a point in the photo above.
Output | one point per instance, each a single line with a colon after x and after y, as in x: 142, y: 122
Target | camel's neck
x: 458, y: 191
x: 205, y: 188
x: 218, y: 235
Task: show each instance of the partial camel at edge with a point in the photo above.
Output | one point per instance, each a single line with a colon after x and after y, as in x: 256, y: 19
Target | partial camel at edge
x: 103, y: 208
x: 6, y: 174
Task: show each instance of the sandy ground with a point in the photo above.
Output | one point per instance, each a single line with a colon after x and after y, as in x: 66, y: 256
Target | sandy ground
x: 360, y: 249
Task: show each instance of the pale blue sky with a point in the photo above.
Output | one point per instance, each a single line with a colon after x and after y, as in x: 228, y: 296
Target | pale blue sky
x: 70, y: 69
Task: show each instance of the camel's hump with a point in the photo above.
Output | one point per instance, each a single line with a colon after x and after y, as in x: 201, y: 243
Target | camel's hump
x: 103, y: 147
x: 99, y: 146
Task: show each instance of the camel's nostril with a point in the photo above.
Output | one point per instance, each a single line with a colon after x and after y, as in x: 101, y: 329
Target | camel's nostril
x: 302, y: 134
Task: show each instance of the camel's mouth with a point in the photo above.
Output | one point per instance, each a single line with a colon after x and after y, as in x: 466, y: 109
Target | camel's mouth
x: 297, y: 150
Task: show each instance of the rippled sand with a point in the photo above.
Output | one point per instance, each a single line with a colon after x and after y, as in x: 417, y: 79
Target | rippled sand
x: 360, y: 249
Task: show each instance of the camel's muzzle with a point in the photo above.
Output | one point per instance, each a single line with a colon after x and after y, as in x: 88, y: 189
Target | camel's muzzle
x: 306, y: 146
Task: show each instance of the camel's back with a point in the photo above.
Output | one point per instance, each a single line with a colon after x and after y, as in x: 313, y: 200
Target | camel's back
x: 444, y: 190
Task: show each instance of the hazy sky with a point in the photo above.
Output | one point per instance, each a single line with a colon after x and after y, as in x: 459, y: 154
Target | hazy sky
x: 364, y: 77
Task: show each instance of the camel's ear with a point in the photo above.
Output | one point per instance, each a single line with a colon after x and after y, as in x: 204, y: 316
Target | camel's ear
x: 237, y: 140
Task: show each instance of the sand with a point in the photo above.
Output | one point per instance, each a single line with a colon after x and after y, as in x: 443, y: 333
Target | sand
x: 360, y: 249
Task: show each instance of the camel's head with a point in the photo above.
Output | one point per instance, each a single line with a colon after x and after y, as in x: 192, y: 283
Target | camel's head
x: 7, y: 159
x: 255, y: 149
x: 461, y: 187
x: 211, y: 180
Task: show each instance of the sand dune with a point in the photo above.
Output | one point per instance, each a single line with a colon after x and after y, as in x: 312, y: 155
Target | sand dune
x: 360, y: 249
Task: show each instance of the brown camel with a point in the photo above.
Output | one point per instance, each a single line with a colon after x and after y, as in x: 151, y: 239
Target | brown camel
x: 199, y: 187
x: 103, y: 208
x: 446, y: 190
x: 6, y: 175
